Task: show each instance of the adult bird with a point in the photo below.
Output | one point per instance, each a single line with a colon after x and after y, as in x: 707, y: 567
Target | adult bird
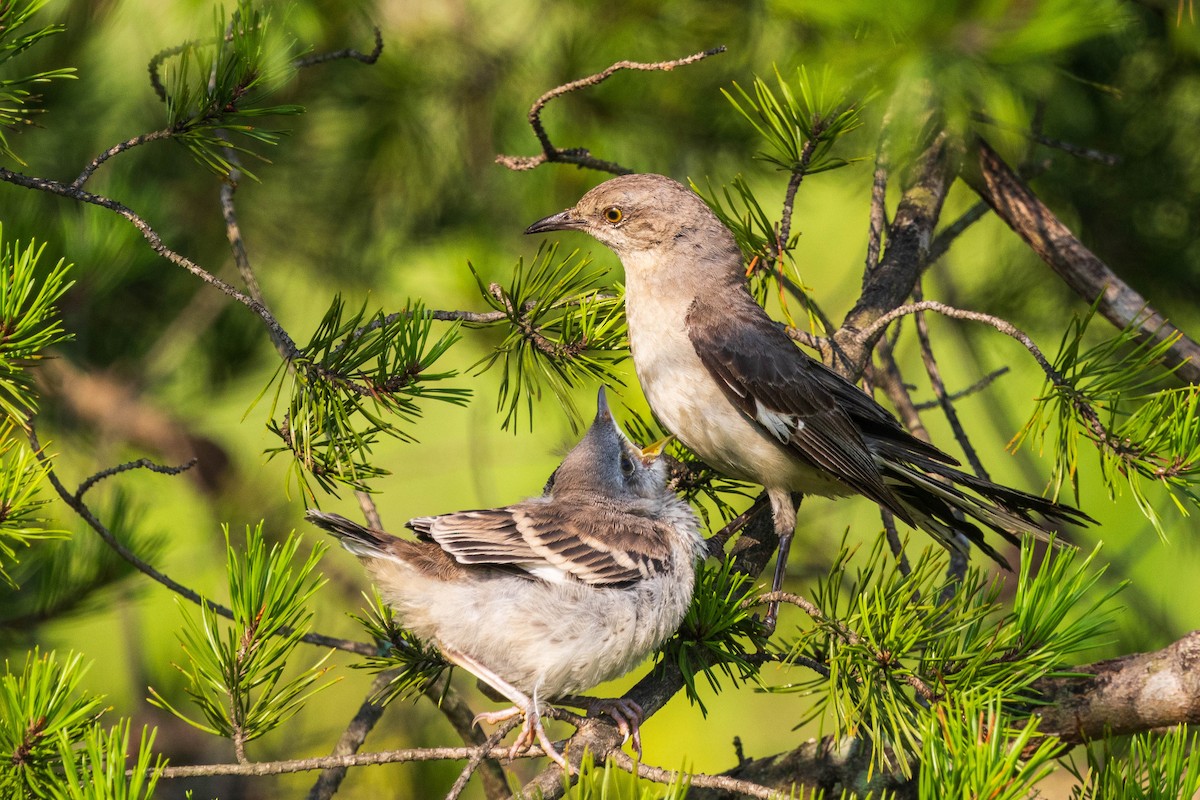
x: 547, y: 598
x: 725, y: 379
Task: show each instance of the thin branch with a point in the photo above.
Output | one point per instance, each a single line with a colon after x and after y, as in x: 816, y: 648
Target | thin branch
x: 157, y: 245
x: 659, y: 775
x: 478, y: 757
x: 580, y: 156
x: 947, y: 235
x: 85, y: 513
x: 793, y: 185
x: 260, y: 768
x: 141, y: 463
x: 117, y: 149
x: 939, y: 391
x: 1085, y: 273
x: 366, y: 504
x: 975, y: 388
x: 716, y: 543
x: 350, y: 53
x: 352, y: 738
x: 1035, y: 135
x: 878, y: 221
x: 1002, y: 325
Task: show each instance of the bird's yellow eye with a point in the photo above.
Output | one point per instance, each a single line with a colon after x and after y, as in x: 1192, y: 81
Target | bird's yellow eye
x: 613, y: 214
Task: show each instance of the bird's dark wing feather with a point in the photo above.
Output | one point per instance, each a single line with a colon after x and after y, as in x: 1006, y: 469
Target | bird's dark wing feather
x: 590, y: 541
x: 805, y: 406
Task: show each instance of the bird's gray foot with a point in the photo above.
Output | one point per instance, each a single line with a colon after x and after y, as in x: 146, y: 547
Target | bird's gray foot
x: 627, y: 714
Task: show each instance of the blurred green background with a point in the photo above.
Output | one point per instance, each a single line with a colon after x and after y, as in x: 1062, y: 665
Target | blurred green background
x: 386, y: 188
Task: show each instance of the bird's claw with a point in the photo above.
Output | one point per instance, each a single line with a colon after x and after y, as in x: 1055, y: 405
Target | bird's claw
x: 531, y: 732
x: 626, y: 713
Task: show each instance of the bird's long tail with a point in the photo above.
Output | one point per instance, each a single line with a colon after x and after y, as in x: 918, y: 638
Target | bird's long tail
x: 358, y: 539
x: 935, y: 495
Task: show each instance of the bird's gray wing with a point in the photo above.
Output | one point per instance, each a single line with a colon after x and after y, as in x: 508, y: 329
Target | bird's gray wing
x: 557, y: 541
x: 806, y: 407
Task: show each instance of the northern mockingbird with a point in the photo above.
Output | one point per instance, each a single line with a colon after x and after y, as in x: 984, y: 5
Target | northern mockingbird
x: 725, y: 379
x: 551, y: 596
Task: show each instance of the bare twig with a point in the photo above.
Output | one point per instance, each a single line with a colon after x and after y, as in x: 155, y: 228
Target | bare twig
x: 947, y: 235
x: 1034, y: 134
x: 478, y: 757
x: 141, y: 463
x: 260, y: 768
x: 1086, y: 274
x: 1002, y: 325
x: 347, y: 53
x: 580, y: 156
x: 742, y: 788
x: 974, y: 388
x: 716, y: 542
x: 117, y: 149
x: 878, y: 221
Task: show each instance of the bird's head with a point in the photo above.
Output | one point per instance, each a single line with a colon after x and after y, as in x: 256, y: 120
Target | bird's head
x: 605, y: 462
x: 644, y: 215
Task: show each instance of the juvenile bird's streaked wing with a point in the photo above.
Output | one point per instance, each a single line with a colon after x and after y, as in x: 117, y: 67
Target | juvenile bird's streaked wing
x: 555, y: 541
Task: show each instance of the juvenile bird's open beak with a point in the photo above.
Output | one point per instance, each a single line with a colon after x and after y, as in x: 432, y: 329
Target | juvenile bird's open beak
x: 562, y: 221
x: 653, y: 451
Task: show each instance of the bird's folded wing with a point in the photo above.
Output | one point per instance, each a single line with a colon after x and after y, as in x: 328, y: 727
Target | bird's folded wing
x: 555, y: 541
x: 789, y: 396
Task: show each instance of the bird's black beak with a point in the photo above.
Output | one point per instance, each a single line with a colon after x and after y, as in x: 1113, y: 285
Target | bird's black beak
x: 562, y: 221
x: 603, y: 413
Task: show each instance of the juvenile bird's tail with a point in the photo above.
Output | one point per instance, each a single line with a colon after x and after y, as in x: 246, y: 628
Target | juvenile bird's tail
x: 358, y: 539
x: 934, y: 494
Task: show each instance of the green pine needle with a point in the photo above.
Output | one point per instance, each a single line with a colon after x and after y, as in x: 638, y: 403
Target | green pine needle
x: 235, y: 670
x: 719, y: 636
x: 563, y: 329
x: 416, y: 664
x: 356, y: 380
x: 1144, y: 436
x: 38, y: 705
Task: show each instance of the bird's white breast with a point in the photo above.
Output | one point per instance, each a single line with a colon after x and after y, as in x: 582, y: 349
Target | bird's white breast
x: 687, y: 400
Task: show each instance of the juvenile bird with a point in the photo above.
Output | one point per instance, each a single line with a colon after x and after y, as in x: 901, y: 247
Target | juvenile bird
x: 551, y: 596
x: 725, y: 379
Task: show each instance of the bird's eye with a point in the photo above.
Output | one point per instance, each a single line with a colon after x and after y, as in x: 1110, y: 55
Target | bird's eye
x: 613, y: 215
x: 626, y: 465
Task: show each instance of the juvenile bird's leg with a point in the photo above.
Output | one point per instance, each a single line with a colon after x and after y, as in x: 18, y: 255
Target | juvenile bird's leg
x: 783, y: 512
x: 626, y: 713
x: 531, y: 729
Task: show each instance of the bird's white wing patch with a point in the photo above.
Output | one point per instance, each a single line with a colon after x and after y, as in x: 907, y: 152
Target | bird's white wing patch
x: 781, y: 426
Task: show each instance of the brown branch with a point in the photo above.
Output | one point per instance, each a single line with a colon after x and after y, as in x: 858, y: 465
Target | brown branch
x: 1129, y: 694
x: 911, y: 231
x: 1085, y: 273
x: 580, y: 156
